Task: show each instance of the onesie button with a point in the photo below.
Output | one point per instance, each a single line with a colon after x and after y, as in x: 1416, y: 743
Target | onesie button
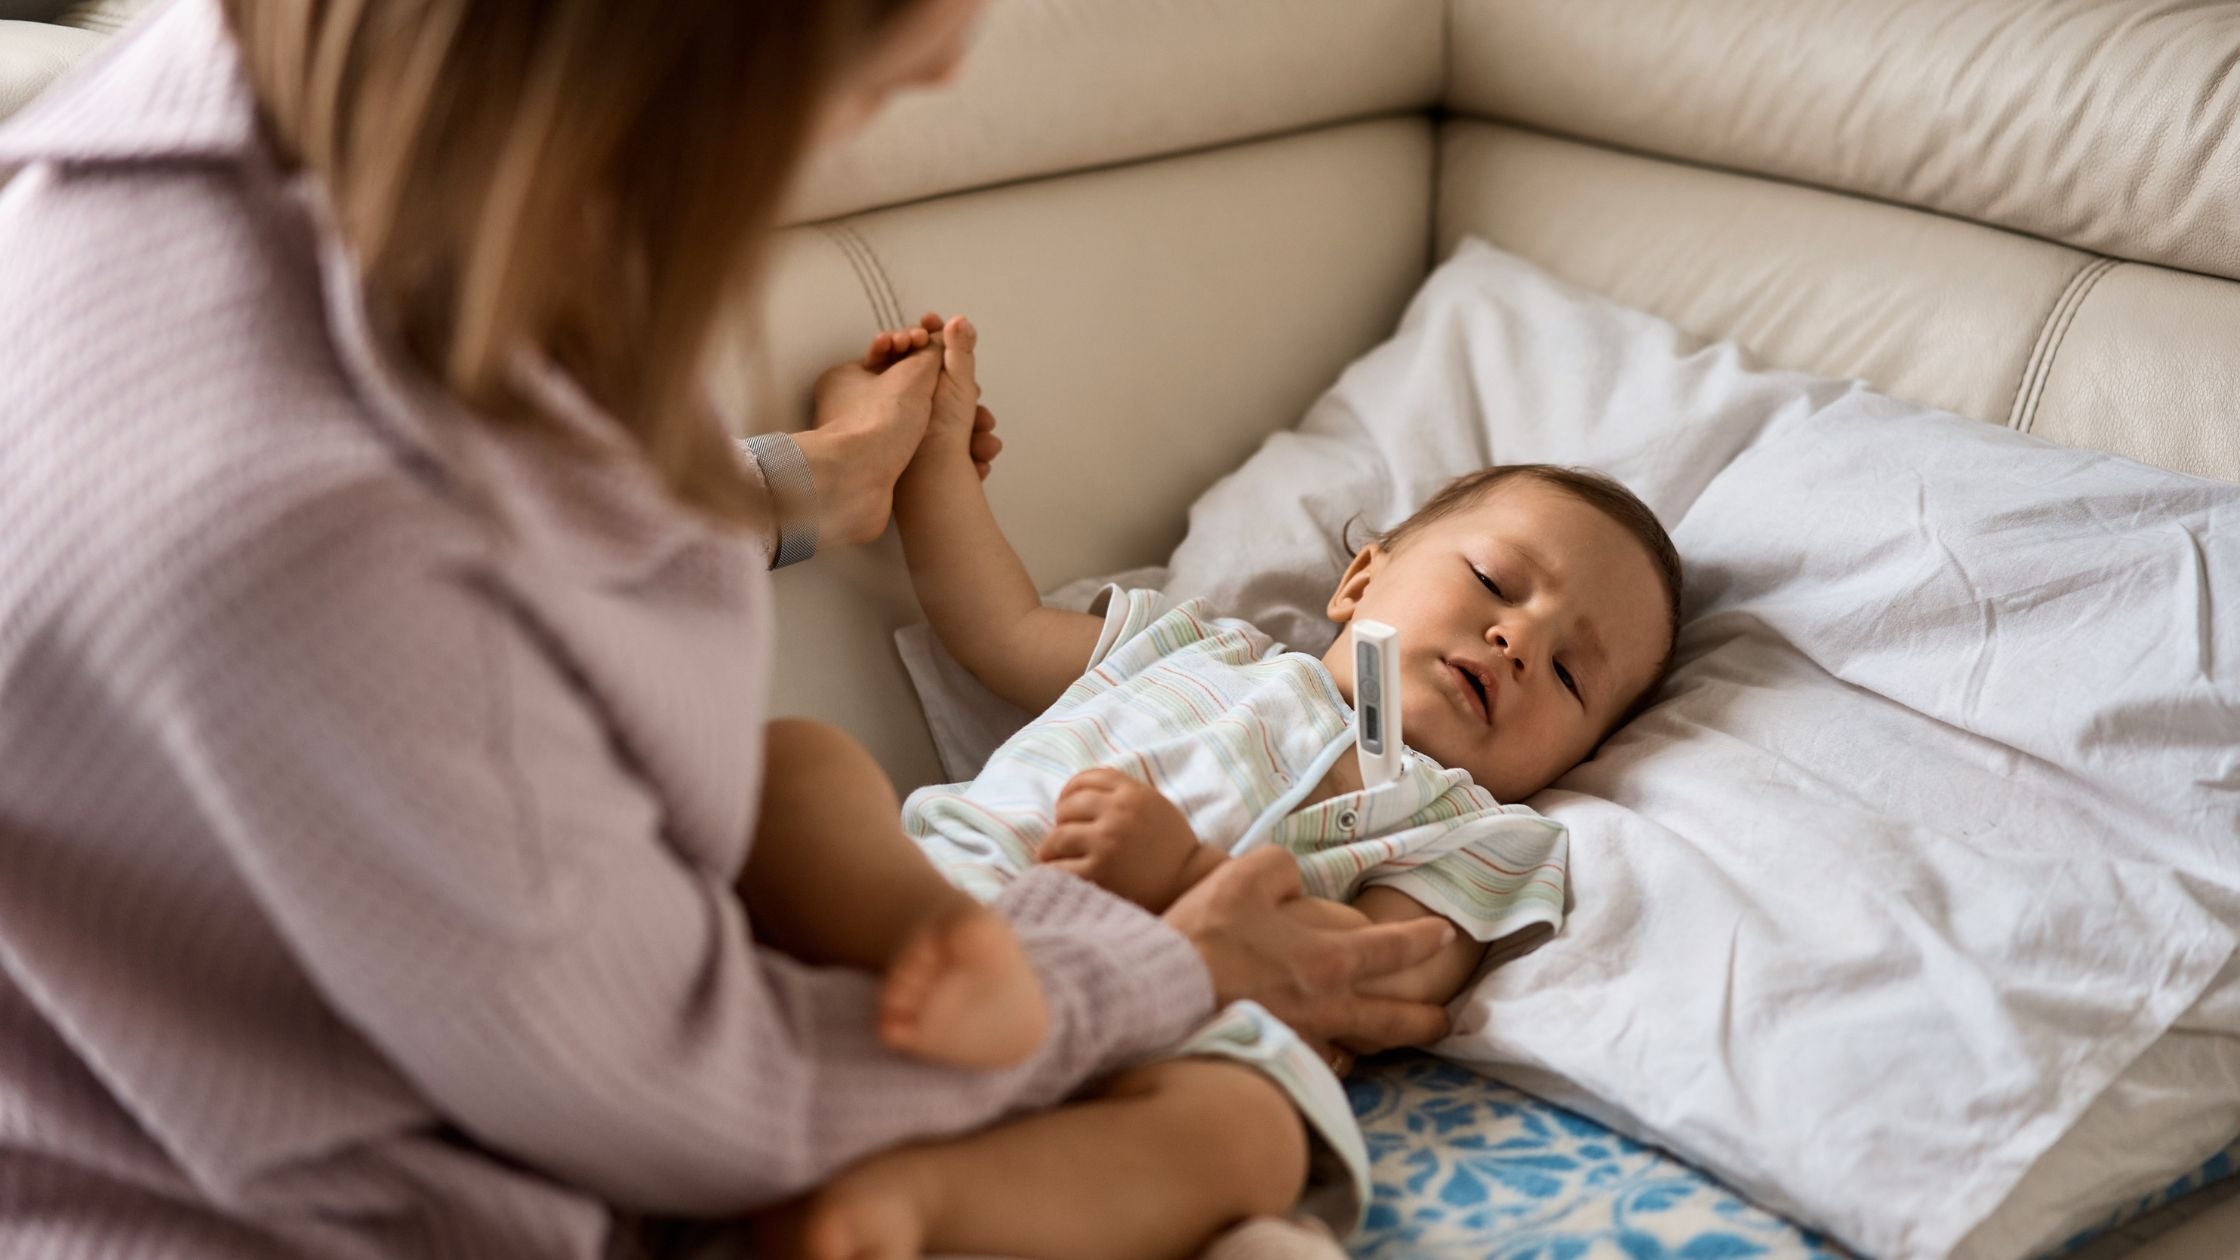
x: 1348, y: 819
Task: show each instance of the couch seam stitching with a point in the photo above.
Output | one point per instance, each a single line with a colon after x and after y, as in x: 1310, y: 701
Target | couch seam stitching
x: 879, y: 273
x: 833, y: 233
x: 2030, y: 364
x: 2084, y: 287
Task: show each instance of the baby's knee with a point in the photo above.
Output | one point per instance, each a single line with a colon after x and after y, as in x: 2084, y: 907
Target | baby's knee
x: 1239, y: 1128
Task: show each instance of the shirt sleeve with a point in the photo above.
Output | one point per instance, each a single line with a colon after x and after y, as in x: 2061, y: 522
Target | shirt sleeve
x: 445, y: 835
x: 1141, y: 628
x: 766, y: 541
x: 1491, y: 874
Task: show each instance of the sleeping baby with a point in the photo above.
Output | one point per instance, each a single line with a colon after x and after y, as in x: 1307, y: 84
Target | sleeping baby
x: 1536, y: 609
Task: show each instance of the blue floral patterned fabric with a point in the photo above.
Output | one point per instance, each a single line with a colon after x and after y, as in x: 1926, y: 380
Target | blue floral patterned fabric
x: 2221, y: 1165
x: 1465, y: 1168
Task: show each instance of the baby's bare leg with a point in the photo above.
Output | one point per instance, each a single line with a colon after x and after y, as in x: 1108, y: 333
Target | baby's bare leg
x: 1162, y: 1159
x: 832, y: 879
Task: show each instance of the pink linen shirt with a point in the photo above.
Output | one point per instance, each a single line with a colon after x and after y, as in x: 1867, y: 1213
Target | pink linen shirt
x: 373, y: 782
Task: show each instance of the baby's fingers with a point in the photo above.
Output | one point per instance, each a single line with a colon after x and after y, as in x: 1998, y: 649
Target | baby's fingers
x: 1063, y: 842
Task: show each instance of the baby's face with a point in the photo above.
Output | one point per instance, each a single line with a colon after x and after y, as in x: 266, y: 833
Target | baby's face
x: 1528, y: 622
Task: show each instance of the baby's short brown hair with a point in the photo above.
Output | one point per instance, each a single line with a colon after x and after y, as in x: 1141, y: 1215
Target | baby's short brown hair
x: 1604, y: 494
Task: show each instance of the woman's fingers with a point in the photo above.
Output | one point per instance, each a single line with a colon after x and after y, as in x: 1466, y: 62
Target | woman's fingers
x: 1372, y: 953
x: 894, y: 343
x: 1381, y: 1023
x: 985, y: 444
x: 1315, y: 978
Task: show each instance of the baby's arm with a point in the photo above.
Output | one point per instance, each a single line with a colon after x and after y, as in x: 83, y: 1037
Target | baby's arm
x: 972, y: 585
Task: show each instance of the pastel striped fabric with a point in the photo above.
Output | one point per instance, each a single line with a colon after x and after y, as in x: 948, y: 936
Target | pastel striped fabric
x: 1231, y: 726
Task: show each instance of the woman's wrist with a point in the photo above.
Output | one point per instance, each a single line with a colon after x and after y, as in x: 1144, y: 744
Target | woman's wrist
x: 850, y: 509
x: 1200, y: 864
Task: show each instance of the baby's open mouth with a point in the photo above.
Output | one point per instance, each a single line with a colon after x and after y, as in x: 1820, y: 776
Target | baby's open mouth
x: 1473, y: 689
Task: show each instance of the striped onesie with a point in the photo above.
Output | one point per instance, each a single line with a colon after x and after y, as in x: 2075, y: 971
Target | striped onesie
x: 1237, y: 731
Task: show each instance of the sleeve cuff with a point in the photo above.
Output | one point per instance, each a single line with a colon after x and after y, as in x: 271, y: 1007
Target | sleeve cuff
x: 1127, y: 978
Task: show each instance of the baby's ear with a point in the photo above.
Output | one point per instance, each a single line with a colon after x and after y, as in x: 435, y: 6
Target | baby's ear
x: 1354, y: 583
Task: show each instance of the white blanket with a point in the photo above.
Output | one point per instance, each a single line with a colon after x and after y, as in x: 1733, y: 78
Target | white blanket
x: 1936, y: 827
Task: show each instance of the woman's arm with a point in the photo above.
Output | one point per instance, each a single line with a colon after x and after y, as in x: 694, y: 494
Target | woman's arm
x: 436, y: 820
x: 972, y: 585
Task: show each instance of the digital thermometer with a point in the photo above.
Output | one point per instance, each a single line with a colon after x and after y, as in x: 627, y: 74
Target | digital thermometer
x: 1376, y: 701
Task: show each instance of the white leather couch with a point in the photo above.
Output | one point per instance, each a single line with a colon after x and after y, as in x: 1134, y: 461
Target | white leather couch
x: 1177, y: 220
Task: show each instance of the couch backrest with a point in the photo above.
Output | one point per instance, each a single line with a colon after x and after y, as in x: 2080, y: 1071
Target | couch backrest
x: 2027, y: 211
x: 1176, y: 220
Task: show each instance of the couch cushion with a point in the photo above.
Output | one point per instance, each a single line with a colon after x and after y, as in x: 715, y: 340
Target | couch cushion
x: 35, y: 54
x: 2144, y: 365
x: 2111, y: 125
x: 1922, y: 307
x: 104, y: 17
x: 1062, y: 86
x: 1995, y: 325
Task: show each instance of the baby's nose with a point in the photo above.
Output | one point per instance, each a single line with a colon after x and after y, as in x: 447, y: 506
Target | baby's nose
x: 1500, y: 639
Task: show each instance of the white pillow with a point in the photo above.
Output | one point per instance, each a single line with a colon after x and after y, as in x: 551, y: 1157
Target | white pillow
x: 1935, y: 831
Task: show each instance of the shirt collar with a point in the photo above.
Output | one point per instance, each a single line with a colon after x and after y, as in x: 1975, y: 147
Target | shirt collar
x: 174, y: 89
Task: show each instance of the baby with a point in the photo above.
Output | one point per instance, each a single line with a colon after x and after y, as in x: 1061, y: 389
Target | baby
x: 1536, y: 610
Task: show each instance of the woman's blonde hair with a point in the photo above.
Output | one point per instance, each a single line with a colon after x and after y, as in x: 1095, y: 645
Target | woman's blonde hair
x: 593, y: 179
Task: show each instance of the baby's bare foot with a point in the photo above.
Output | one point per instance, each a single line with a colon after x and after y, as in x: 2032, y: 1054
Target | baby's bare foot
x: 867, y: 1213
x: 962, y: 993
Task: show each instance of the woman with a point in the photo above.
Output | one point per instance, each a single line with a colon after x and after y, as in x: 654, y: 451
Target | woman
x: 384, y: 641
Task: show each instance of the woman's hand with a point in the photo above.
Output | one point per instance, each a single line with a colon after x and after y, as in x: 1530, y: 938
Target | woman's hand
x: 871, y: 413
x: 1319, y: 979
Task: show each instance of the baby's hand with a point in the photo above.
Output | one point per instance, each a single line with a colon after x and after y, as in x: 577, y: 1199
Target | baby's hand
x: 1126, y: 838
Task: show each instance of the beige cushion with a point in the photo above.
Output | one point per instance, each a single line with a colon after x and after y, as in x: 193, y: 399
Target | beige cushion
x: 1927, y: 309
x: 1143, y: 329
x: 1062, y: 86
x: 2148, y: 365
x: 35, y: 54
x: 104, y: 17
x: 2111, y: 125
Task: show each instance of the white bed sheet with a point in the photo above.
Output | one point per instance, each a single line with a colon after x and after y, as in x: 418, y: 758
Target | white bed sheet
x: 1932, y: 836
